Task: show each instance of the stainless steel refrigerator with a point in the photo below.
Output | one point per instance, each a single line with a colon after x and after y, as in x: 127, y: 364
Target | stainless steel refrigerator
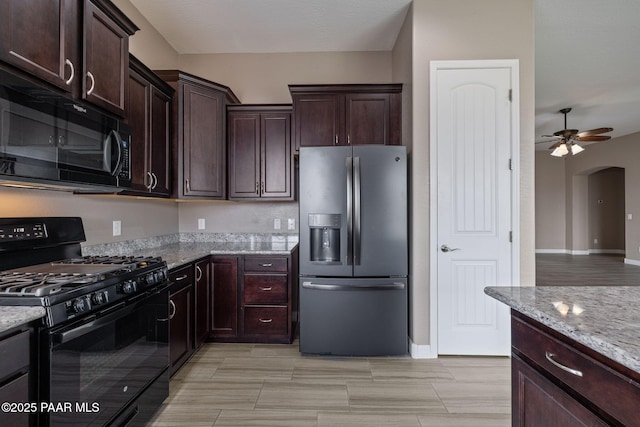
x: 353, y: 250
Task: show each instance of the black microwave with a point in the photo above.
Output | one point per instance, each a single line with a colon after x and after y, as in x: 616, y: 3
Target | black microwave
x: 45, y: 136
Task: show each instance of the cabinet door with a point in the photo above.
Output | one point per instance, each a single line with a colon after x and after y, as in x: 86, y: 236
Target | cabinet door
x: 160, y: 142
x: 203, y: 300
x: 318, y: 120
x: 203, y: 143
x: 367, y: 118
x: 244, y: 155
x: 138, y: 113
x: 224, y: 323
x: 40, y: 37
x: 180, y: 343
x: 106, y: 54
x: 539, y: 402
x: 275, y: 156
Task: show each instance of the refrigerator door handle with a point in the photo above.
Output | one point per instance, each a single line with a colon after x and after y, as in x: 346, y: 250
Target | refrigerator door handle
x: 354, y: 287
x: 356, y: 211
x: 349, y: 166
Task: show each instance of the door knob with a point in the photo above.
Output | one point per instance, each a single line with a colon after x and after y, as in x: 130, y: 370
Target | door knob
x: 445, y: 248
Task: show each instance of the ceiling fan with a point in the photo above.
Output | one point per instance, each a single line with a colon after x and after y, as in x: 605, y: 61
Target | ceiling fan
x: 569, y: 138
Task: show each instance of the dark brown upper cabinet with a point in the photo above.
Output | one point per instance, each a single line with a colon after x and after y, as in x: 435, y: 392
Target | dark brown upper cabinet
x: 149, y: 115
x: 259, y: 144
x: 198, y: 134
x: 353, y: 114
x: 79, y: 46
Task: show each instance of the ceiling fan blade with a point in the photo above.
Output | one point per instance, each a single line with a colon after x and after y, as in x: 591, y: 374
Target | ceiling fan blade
x: 594, y: 132
x: 550, y: 136
x: 593, y: 138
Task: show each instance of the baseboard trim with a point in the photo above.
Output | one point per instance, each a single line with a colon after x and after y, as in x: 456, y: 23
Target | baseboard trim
x: 631, y: 261
x: 581, y: 252
x: 552, y: 251
x: 418, y: 351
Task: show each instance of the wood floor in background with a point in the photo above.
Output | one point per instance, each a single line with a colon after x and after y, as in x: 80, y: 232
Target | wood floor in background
x: 585, y: 270
x: 274, y: 385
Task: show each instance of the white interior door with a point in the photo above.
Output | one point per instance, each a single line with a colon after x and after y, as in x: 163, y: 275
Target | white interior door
x: 473, y: 131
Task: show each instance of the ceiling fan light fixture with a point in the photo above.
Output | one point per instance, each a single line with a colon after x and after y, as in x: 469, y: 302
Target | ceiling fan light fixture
x: 560, y: 151
x: 575, y: 149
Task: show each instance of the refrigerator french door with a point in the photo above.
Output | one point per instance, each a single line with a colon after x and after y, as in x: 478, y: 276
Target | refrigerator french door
x: 353, y: 250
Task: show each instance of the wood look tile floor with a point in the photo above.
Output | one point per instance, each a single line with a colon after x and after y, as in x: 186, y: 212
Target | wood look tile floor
x: 274, y: 385
x: 585, y: 270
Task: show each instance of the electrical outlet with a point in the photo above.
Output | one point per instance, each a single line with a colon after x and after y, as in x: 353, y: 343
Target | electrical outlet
x: 291, y: 224
x: 629, y: 217
x: 276, y: 224
x: 117, y: 228
x: 201, y: 224
x: 595, y: 241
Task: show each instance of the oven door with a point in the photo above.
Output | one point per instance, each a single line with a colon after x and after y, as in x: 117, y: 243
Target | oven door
x: 98, y: 366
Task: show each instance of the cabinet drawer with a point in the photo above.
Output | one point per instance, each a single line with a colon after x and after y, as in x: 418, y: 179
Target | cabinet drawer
x: 608, y: 389
x: 265, y: 289
x: 180, y: 277
x: 14, y: 353
x: 265, y: 320
x: 266, y: 264
x: 16, y: 391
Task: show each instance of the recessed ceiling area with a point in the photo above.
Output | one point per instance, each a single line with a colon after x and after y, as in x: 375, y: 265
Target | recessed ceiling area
x: 269, y: 26
x: 587, y: 51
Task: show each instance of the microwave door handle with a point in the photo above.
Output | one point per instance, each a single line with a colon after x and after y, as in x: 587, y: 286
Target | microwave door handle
x: 113, y: 135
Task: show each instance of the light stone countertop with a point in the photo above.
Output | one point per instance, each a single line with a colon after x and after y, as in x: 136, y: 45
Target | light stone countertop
x: 603, y: 318
x: 180, y: 249
x: 11, y: 317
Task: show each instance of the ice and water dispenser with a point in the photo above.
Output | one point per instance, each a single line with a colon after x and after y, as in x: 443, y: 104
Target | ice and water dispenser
x: 324, y: 232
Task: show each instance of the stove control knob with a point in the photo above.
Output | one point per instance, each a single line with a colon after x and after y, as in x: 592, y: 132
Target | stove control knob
x: 79, y: 305
x: 99, y: 298
x: 151, y: 279
x: 128, y: 287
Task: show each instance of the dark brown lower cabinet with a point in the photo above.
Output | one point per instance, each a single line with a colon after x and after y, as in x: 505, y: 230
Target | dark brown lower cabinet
x: 16, y: 378
x: 224, y: 319
x: 255, y: 298
x: 202, y: 302
x: 181, y: 316
x: 557, y: 381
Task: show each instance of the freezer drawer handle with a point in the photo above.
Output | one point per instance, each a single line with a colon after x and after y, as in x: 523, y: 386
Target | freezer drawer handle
x: 356, y: 287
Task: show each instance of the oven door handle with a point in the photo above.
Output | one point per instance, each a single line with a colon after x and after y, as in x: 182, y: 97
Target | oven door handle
x: 117, y: 312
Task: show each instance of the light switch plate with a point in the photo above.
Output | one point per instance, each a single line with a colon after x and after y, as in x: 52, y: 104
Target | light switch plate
x: 201, y: 224
x: 276, y: 224
x: 291, y: 224
x: 117, y: 227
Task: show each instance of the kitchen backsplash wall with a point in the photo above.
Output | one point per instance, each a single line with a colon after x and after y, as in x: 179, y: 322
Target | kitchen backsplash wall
x: 237, y: 217
x: 138, y: 218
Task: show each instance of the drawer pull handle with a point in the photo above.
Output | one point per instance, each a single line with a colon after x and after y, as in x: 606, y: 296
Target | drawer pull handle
x: 268, y: 264
x: 181, y: 278
x: 550, y: 357
x: 266, y: 289
x: 265, y: 320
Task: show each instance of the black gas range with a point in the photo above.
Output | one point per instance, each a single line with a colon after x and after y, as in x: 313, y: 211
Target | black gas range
x: 104, y: 340
x: 77, y: 287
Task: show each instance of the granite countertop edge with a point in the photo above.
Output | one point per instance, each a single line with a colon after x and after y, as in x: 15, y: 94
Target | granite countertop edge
x: 594, y: 338
x: 183, y: 248
x: 13, y: 316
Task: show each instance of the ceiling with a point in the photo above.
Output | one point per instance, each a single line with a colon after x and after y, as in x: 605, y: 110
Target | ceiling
x: 587, y: 51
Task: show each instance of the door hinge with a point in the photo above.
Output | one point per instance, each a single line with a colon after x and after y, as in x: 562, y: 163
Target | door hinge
x: 510, y: 164
x: 511, y: 237
x: 510, y: 95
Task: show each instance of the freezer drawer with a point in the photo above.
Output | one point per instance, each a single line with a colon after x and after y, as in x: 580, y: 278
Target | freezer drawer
x: 353, y: 317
